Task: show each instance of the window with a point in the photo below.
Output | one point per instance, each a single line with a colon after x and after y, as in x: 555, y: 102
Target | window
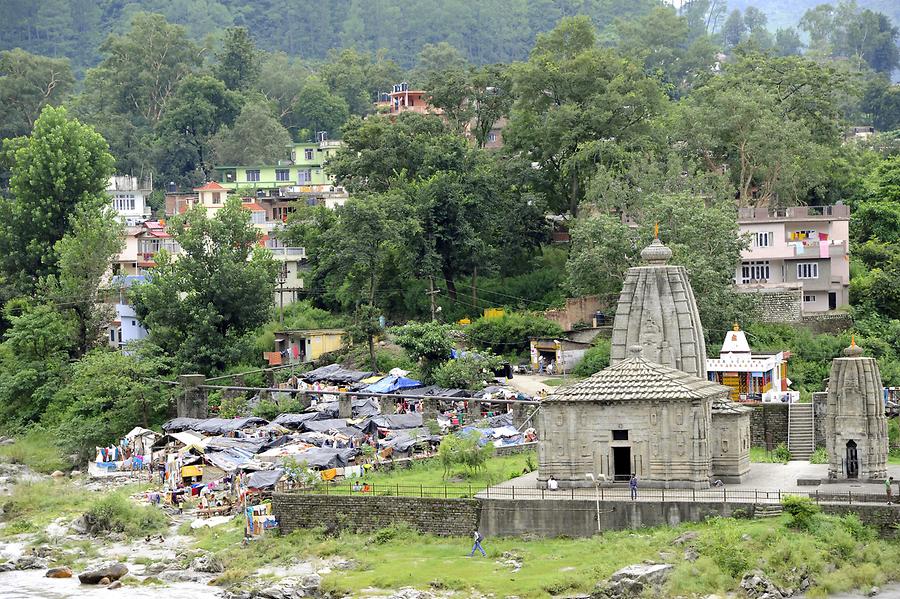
x: 252, y: 175
x: 308, y: 153
x: 809, y: 298
x: 807, y: 270
x: 124, y: 202
x: 112, y: 335
x: 282, y: 174
x: 763, y: 239
x: 492, y: 137
x: 757, y: 270
x: 217, y: 197
x: 620, y: 435
x: 802, y: 234
x: 304, y: 176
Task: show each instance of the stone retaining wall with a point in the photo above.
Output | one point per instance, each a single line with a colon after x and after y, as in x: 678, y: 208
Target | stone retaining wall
x: 769, y: 425
x: 453, y: 517
x: 514, y: 449
x: 777, y: 305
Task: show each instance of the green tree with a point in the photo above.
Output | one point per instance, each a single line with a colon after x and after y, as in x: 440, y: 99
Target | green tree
x: 428, y: 343
x: 281, y: 79
x: 238, y: 61
x: 359, y: 77
x: 255, y: 138
x: 734, y: 29
x: 788, y: 42
x: 435, y: 59
x: 510, y: 333
x: 571, y: 96
x: 365, y: 327
x: 200, y: 107
x: 881, y: 100
x: 61, y: 166
x: 200, y: 307
x: 106, y: 395
x: 86, y: 254
x: 317, y: 109
x: 467, y: 372
x: 871, y: 37
x: 28, y: 83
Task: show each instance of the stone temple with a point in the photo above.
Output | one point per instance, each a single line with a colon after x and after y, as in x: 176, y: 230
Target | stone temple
x: 855, y: 426
x: 653, y: 412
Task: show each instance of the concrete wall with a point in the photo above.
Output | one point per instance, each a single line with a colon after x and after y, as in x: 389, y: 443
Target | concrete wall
x: 769, y: 425
x: 450, y: 517
x: 578, y: 310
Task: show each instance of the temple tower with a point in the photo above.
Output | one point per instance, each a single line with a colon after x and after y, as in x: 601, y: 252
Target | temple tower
x: 657, y: 311
x: 855, y: 426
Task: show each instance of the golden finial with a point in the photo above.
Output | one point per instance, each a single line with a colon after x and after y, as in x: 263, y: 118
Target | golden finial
x: 852, y: 340
x: 656, y: 231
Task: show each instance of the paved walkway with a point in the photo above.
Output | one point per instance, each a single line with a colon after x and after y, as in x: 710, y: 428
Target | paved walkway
x: 762, y: 484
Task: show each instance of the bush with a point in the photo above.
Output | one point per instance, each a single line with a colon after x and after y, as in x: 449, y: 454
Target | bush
x: 467, y: 372
x: 465, y: 451
x: 802, y: 511
x: 595, y: 359
x: 115, y: 513
x: 782, y: 453
x: 819, y: 456
x: 511, y: 332
x: 233, y: 406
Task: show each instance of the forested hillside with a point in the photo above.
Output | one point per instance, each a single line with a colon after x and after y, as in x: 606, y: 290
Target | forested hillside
x: 487, y: 31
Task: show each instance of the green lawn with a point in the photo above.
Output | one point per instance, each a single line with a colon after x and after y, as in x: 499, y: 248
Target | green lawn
x: 430, y: 473
x: 839, y: 554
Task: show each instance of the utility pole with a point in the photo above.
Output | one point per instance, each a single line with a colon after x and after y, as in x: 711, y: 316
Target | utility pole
x: 475, y: 290
x: 282, y: 277
x: 432, y: 292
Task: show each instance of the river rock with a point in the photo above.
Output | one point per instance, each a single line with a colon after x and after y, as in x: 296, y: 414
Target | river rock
x: 757, y: 586
x: 688, y: 536
x: 30, y: 562
x: 104, y: 581
x: 58, y: 474
x: 690, y: 554
x: 207, y: 563
x: 64, y: 572
x: 112, y: 571
x: 633, y: 581
x: 115, y: 585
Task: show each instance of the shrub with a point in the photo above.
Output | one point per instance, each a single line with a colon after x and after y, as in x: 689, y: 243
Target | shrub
x: 595, y: 359
x: 464, y: 450
x: 801, y: 509
x: 511, y: 332
x: 115, y: 513
x: 819, y: 456
x: 782, y: 453
x: 231, y: 406
x: 467, y: 372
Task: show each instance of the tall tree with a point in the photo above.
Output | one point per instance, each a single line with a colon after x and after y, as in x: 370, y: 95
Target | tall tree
x: 256, y: 137
x: 570, y: 93
x: 27, y: 84
x: 199, y: 307
x: 788, y: 42
x: 238, y: 61
x: 317, y: 109
x: 61, y: 166
x: 359, y: 77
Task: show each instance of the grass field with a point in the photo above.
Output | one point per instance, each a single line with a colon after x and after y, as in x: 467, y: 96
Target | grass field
x: 839, y: 554
x: 36, y: 450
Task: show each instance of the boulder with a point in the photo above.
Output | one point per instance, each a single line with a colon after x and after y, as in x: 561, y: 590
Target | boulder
x: 633, y: 581
x: 115, y: 585
x: 74, y: 473
x: 757, y: 586
x: 690, y: 554
x: 58, y: 474
x: 104, y: 581
x: 30, y: 562
x: 111, y: 571
x: 64, y: 572
x: 207, y: 563
x: 688, y: 536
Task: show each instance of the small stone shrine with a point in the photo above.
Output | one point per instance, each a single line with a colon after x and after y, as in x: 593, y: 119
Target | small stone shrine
x: 653, y: 412
x: 855, y: 426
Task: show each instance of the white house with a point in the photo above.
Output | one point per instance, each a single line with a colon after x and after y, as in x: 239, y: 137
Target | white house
x: 129, y: 198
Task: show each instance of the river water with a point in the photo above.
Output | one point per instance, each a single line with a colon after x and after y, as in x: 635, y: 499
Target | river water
x: 31, y: 584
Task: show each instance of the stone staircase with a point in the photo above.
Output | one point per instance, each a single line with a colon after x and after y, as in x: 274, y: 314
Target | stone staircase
x: 801, y: 433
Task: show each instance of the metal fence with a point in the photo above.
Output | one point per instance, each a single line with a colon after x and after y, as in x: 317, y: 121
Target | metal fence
x: 714, y: 495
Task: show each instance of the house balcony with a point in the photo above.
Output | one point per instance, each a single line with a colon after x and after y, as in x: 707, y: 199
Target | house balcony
x: 795, y: 213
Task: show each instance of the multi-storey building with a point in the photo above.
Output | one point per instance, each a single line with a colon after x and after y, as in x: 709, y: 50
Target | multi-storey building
x: 304, y: 171
x: 805, y: 245
x: 128, y: 196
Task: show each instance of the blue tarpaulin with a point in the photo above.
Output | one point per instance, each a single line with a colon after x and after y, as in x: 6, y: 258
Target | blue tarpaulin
x: 391, y: 383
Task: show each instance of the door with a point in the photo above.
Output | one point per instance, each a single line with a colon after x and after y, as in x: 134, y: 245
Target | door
x: 852, y: 460
x: 621, y: 463
x: 832, y: 300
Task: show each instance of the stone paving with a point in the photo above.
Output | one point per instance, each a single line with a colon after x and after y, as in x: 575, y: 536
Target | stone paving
x: 762, y: 484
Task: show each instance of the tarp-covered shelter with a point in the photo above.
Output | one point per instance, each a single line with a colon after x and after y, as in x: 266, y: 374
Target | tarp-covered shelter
x: 322, y: 426
x: 392, y: 384
x: 264, y: 479
x: 359, y: 408
x: 335, y: 373
x: 399, y: 421
x: 212, y: 426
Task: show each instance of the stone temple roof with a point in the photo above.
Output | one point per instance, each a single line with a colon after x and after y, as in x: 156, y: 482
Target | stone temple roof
x: 639, y: 379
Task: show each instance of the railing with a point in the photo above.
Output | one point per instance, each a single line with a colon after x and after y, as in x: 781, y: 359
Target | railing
x: 288, y: 251
x: 723, y: 494
x: 795, y: 212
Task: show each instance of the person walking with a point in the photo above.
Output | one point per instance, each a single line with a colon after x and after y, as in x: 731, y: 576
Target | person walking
x: 633, y: 485
x: 888, y: 484
x: 476, y: 536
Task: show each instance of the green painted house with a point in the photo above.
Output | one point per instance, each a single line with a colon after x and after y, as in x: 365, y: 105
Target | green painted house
x: 305, y: 168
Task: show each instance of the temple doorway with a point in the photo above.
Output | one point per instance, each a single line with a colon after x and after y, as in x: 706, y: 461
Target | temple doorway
x: 621, y: 463
x: 852, y: 460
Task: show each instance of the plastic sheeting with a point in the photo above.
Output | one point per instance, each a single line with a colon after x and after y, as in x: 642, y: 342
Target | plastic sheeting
x: 399, y: 421
x: 294, y: 421
x: 264, y: 479
x: 335, y: 373
x: 326, y: 457
x: 321, y: 426
x: 212, y: 426
x: 391, y: 383
x: 359, y: 408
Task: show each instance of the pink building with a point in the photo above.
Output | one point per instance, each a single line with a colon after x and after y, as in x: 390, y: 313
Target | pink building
x: 805, y: 245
